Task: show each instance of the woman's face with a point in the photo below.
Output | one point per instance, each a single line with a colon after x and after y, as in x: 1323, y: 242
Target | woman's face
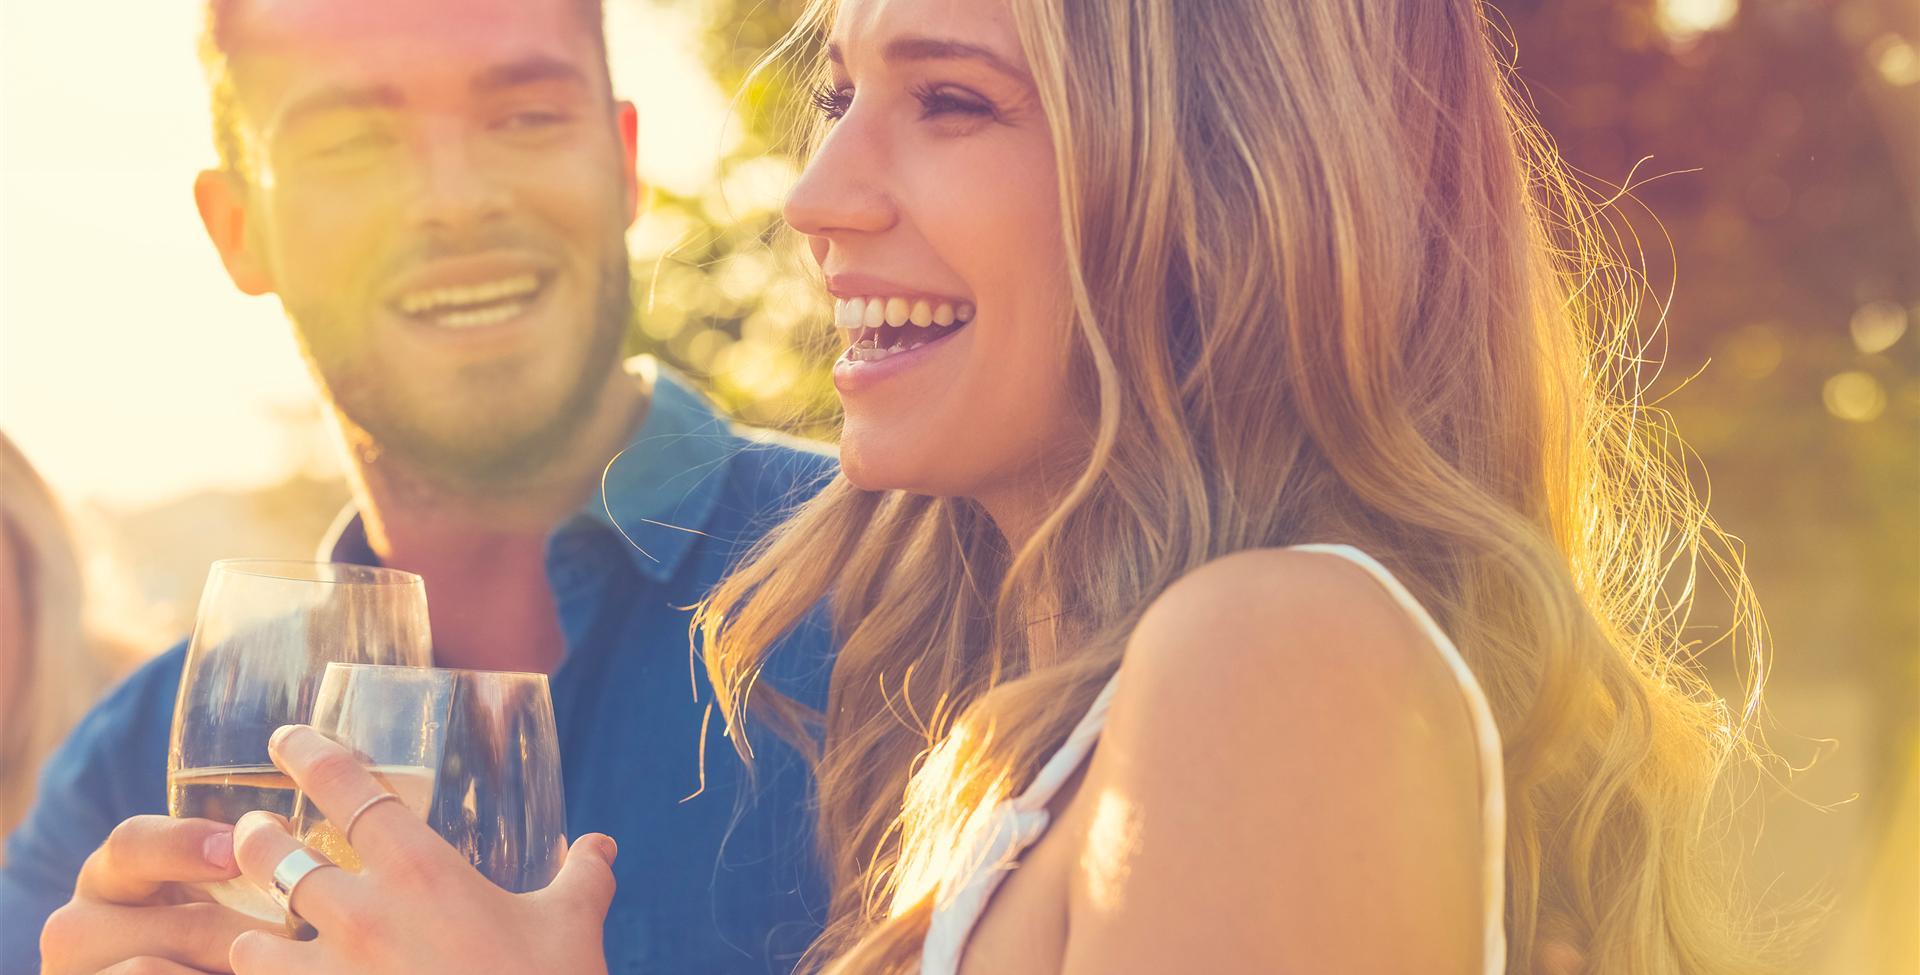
x: 933, y: 210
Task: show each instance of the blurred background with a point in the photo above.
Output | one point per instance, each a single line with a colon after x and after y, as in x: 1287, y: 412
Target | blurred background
x: 1777, y: 142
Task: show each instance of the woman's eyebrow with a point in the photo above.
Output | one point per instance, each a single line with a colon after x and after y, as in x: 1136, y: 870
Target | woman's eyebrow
x: 938, y: 49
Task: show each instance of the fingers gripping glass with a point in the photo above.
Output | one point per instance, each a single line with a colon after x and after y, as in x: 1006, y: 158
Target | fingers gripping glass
x: 473, y: 752
x: 265, y: 632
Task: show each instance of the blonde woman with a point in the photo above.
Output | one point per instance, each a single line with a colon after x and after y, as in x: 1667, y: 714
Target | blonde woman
x: 1250, y: 548
x: 51, y: 666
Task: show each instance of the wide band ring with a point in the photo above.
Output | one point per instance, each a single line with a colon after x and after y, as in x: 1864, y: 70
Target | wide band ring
x: 347, y: 833
x: 290, y: 871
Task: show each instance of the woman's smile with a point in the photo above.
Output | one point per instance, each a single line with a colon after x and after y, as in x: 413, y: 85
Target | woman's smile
x: 878, y: 327
x: 877, y: 352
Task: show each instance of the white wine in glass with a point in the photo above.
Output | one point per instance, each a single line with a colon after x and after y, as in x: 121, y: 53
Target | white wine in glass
x: 474, y: 752
x: 265, y: 633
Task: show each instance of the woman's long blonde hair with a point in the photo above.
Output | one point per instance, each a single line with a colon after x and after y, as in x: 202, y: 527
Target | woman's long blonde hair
x: 1330, y: 283
x: 52, y: 680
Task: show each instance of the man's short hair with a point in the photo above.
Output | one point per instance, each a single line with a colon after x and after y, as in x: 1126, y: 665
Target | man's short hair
x: 216, y: 46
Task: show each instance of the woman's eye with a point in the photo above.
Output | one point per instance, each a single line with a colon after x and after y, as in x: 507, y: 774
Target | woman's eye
x: 936, y: 102
x: 832, y: 101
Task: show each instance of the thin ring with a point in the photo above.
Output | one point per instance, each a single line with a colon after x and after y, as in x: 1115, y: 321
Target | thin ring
x: 290, y: 871
x: 347, y: 834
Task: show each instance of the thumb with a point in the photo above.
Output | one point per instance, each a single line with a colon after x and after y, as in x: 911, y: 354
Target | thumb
x: 585, y: 881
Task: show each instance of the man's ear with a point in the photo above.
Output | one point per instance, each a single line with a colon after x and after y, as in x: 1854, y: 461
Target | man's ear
x: 628, y: 119
x: 222, y: 200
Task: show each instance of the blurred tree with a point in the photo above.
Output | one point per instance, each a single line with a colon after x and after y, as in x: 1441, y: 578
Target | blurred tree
x: 724, y: 296
x: 1794, y: 267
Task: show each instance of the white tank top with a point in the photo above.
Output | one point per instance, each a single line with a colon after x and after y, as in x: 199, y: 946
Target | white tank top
x: 1016, y: 823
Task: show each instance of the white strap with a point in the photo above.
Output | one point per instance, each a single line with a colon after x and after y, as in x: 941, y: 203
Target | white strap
x: 1493, y: 795
x: 1013, y: 825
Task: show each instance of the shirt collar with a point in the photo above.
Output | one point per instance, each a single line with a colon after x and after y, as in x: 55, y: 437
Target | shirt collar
x: 657, y: 493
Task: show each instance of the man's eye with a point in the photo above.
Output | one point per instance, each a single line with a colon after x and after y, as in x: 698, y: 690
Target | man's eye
x: 832, y: 101
x: 363, y: 143
x: 531, y: 121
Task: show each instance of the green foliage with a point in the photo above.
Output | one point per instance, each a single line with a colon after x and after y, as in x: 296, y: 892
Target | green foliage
x: 721, y: 293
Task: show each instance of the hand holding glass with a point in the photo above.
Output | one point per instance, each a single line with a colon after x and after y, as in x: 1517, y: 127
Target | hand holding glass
x: 265, y: 633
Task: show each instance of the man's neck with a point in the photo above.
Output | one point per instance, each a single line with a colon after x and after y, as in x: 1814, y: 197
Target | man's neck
x: 483, y: 551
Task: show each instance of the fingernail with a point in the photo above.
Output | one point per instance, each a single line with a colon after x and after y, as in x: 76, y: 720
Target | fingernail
x: 612, y: 849
x: 280, y: 736
x: 218, y: 849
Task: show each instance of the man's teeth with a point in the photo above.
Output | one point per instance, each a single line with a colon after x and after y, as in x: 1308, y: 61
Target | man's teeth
x: 895, y: 312
x: 474, y: 318
x: 465, y: 297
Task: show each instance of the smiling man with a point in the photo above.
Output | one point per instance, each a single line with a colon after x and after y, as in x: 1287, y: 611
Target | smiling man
x: 438, y: 192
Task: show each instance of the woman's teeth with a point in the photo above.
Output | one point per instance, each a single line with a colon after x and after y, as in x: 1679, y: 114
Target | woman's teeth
x: 878, y: 324
x: 896, y: 312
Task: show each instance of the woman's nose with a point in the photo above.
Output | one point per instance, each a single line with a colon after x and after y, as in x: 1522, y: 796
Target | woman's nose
x: 843, y: 188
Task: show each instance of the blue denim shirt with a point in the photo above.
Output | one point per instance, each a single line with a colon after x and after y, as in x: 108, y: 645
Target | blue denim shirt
x: 714, y: 876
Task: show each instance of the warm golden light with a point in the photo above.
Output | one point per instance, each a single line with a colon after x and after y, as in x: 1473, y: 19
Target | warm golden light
x: 1683, y: 20
x: 1877, y: 325
x: 1896, y: 60
x: 1855, y: 396
x: 1111, y: 842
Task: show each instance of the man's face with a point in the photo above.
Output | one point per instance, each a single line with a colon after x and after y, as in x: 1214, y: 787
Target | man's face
x: 438, y: 192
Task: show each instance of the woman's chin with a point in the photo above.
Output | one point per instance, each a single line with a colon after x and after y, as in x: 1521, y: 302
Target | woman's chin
x: 864, y: 480
x: 866, y: 475
x: 872, y: 468
x: 862, y: 469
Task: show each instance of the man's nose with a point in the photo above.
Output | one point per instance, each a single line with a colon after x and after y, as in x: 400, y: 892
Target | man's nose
x: 457, y: 191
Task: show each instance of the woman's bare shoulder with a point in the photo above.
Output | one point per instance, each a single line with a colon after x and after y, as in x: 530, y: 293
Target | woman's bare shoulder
x: 1288, y: 756
x: 1291, y: 615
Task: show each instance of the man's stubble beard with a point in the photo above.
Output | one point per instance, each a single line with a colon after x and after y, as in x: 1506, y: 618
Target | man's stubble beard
x: 378, y: 429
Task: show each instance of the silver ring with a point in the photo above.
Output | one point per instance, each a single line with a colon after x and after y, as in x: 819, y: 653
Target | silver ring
x: 347, y: 834
x: 290, y: 871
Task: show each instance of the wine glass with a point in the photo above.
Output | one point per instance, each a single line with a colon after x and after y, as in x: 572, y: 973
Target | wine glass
x: 265, y: 632
x: 475, y: 752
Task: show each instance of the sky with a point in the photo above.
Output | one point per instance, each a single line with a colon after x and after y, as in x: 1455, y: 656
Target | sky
x: 131, y: 371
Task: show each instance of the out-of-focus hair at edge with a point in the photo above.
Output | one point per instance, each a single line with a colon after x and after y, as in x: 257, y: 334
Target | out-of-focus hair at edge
x: 1248, y: 187
x: 65, y: 656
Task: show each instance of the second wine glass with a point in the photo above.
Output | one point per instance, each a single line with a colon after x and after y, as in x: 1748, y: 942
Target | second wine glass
x: 474, y: 752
